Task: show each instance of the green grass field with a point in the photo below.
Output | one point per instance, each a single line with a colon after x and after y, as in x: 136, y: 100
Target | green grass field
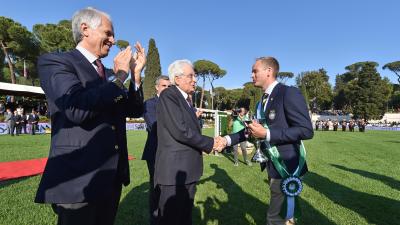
x: 354, y: 178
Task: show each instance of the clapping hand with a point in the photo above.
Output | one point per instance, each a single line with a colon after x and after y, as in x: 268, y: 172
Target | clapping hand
x: 138, y: 61
x: 121, y: 63
x: 219, y: 143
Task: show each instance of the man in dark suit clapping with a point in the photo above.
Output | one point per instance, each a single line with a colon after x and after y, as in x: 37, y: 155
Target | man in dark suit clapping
x: 150, y: 148
x: 88, y: 160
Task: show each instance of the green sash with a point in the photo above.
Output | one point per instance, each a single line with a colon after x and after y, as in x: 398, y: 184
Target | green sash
x: 291, y: 185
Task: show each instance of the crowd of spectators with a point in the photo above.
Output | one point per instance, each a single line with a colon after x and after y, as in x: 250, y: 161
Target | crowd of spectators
x: 19, y: 120
x: 335, y: 125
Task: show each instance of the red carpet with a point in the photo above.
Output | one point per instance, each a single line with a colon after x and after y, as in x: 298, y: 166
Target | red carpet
x: 25, y: 168
x: 22, y: 168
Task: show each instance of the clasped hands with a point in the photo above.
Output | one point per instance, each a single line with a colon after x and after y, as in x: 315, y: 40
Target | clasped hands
x: 219, y: 143
x: 126, y: 61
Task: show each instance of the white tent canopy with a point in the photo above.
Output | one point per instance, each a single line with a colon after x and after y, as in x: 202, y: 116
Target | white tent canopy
x: 21, y: 90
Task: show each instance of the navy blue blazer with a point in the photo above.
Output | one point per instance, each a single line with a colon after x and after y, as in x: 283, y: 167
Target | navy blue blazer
x: 88, y: 151
x: 179, y: 158
x: 150, y: 117
x: 289, y: 122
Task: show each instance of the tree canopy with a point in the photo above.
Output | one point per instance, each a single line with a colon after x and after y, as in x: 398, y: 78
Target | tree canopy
x: 316, y: 85
x: 152, y: 71
x: 206, y: 69
x: 122, y: 44
x: 282, y: 77
x: 54, y: 37
x: 17, y: 45
x: 394, y: 67
x: 362, y: 91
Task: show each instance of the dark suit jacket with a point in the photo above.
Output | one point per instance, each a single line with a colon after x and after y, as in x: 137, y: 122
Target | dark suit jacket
x: 180, y: 142
x: 289, y: 122
x: 150, y: 117
x: 88, y: 152
x: 33, y: 118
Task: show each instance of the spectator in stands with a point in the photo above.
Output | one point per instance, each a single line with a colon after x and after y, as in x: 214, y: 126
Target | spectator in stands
x: 2, y: 108
x: 18, y: 119
x: 361, y: 125
x: 351, y: 126
x: 24, y: 121
x: 20, y: 110
x: 335, y: 125
x: 33, y: 120
x: 10, y: 120
x: 344, y: 125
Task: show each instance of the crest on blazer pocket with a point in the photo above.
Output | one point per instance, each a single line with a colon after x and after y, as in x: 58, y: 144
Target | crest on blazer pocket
x: 272, y: 114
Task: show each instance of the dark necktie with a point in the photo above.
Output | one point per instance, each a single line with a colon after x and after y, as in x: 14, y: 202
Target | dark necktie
x: 189, y: 100
x: 264, y: 100
x: 100, y: 69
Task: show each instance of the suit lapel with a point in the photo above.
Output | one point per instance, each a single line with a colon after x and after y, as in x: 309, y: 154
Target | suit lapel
x: 271, y: 102
x: 186, y: 106
x: 85, y: 65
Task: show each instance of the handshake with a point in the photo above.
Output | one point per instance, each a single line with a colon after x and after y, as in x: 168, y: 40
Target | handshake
x: 219, y: 143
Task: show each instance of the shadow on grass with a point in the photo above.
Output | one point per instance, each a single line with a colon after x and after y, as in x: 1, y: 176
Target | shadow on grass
x: 389, y: 181
x: 4, y: 184
x: 309, y: 215
x: 231, y: 158
x: 243, y: 208
x: 133, y: 209
x: 395, y: 142
x: 375, y: 209
x: 239, y: 208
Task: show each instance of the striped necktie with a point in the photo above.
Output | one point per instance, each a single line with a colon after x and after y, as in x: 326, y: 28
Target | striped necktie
x: 100, y: 69
x: 264, y: 100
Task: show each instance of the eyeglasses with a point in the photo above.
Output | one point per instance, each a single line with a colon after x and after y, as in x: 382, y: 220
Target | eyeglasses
x: 190, y: 76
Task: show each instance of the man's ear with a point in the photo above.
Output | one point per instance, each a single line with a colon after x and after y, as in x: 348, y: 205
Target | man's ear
x: 85, y: 30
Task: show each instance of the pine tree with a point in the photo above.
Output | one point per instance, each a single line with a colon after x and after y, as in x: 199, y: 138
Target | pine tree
x: 367, y: 93
x: 152, y: 71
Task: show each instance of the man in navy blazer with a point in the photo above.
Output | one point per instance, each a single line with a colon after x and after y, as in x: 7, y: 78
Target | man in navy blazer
x: 88, y: 159
x: 288, y: 121
x: 150, y: 148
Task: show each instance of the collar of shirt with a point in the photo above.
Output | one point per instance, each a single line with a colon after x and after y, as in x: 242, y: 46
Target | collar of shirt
x: 185, y: 95
x: 88, y: 55
x: 269, y: 91
x: 271, y: 88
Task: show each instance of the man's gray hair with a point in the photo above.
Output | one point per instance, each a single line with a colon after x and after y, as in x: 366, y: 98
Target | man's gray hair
x: 90, y: 16
x: 176, y: 69
x: 162, y: 77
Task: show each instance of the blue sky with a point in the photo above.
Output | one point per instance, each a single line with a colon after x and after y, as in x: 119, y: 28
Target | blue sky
x: 303, y: 35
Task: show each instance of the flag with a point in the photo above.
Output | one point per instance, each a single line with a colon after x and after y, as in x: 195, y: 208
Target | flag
x: 25, y: 70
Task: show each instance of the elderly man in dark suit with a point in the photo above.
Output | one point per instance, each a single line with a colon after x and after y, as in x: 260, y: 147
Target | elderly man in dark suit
x: 179, y: 158
x: 150, y: 148
x: 88, y: 160
x: 288, y: 120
